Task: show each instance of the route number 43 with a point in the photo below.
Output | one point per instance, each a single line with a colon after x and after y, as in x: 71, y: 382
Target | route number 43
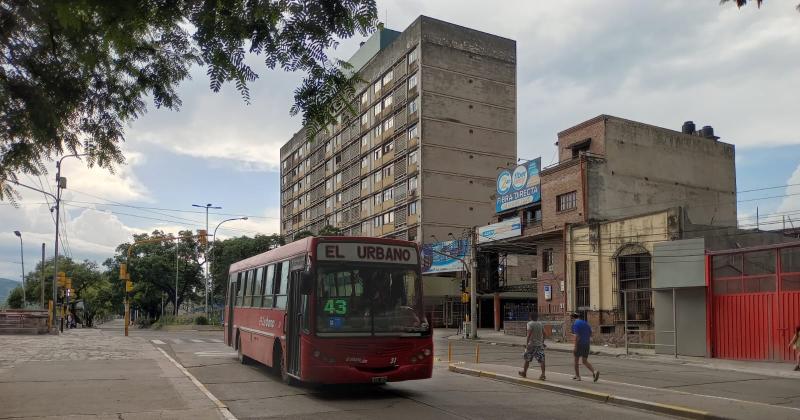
x: 336, y: 306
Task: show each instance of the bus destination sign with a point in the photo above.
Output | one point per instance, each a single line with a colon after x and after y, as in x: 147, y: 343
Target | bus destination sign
x: 365, y: 252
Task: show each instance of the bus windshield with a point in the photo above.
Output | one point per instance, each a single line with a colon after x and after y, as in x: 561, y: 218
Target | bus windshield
x: 380, y: 300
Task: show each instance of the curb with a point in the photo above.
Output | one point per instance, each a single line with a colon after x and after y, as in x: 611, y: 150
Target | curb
x: 673, y: 410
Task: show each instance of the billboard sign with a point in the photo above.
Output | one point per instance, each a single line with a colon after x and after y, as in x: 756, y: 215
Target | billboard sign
x: 500, y: 230
x: 439, y: 257
x: 519, y: 187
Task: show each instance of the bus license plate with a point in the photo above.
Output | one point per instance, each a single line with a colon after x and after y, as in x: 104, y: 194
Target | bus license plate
x: 379, y: 379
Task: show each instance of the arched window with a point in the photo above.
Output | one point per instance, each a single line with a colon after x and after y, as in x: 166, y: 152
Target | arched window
x: 633, y: 263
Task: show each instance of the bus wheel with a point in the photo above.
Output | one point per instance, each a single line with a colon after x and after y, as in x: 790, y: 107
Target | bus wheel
x: 239, y: 354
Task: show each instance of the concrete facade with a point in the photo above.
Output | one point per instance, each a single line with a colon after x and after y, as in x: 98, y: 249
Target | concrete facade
x: 437, y: 116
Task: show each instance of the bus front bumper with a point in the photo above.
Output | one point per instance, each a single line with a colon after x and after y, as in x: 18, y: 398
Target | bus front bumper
x: 349, y: 374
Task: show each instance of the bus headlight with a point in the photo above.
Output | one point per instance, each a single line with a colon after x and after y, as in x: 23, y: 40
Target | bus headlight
x: 426, y: 352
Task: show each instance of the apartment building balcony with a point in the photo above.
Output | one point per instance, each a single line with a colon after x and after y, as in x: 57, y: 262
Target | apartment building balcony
x: 387, y: 157
x: 387, y: 181
x: 388, y: 204
x: 365, y: 170
x: 412, y: 219
x: 413, y: 142
x: 387, y: 228
x: 412, y: 168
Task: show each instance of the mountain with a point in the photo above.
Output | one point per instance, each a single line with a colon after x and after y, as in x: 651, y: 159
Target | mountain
x: 5, y: 288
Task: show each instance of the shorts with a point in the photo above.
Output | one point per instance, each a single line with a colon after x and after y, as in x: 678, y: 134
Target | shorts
x: 534, y: 352
x: 582, y: 350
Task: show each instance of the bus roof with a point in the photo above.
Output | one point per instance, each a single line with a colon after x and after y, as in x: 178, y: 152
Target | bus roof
x: 305, y: 245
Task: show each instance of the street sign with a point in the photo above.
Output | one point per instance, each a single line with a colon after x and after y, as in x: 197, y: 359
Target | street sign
x: 123, y: 271
x: 128, y: 286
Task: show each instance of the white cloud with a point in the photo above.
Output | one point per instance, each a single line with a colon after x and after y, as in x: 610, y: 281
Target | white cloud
x: 791, y: 203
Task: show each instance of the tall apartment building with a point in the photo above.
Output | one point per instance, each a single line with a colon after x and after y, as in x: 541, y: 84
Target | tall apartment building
x: 436, y: 117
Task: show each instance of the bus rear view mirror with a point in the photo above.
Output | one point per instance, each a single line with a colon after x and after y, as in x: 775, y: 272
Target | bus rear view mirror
x: 306, y: 282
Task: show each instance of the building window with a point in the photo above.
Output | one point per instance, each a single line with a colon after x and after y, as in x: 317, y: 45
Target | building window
x: 388, y: 124
x: 567, y: 201
x: 365, y: 205
x: 412, y: 81
x: 376, y: 88
x: 338, y: 197
x: 377, y: 221
x: 365, y: 162
x: 533, y: 216
x: 365, y: 98
x: 387, y: 171
x: 377, y: 199
x: 412, y: 234
x: 376, y: 177
x: 364, y: 142
x: 388, y: 218
x: 376, y: 132
x: 413, y: 157
x: 412, y: 208
x: 547, y: 260
x: 328, y: 184
x: 388, y: 77
x: 377, y: 109
x: 412, y: 107
x: 387, y: 194
x: 387, y: 102
x: 388, y: 147
x: 582, y: 285
x: 412, y: 184
x: 338, y: 177
x: 633, y: 273
x: 412, y: 56
x: 377, y: 153
x: 364, y: 227
x: 413, y: 132
x: 365, y: 119
x: 337, y: 159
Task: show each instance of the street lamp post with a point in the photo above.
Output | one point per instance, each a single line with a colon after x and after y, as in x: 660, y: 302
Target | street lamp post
x: 207, y: 206
x: 22, y: 258
x: 214, y: 248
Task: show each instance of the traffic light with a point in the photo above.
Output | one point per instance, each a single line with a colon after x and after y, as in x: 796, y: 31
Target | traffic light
x: 202, y: 237
x: 61, y: 279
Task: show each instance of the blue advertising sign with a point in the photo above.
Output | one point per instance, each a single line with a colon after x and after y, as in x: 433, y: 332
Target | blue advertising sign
x: 519, y: 187
x: 438, y: 257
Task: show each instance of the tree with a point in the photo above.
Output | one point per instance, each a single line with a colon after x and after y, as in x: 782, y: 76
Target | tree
x: 224, y: 253
x: 72, y: 74
x: 14, y: 299
x: 740, y: 3
x: 152, y: 270
x: 303, y: 234
x: 329, y: 230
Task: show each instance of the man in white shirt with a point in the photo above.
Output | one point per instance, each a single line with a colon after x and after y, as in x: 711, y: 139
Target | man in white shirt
x: 534, y: 348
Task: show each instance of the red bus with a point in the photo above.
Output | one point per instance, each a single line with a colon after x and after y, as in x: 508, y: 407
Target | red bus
x: 332, y: 310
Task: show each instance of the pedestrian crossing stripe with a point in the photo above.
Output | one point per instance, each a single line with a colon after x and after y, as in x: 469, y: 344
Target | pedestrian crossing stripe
x: 215, y: 340
x: 176, y: 340
x: 157, y: 342
x: 193, y: 340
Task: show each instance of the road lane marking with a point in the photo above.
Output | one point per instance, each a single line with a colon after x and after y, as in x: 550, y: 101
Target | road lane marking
x: 176, y: 340
x: 223, y: 409
x: 159, y: 342
x: 215, y: 340
x: 194, y: 340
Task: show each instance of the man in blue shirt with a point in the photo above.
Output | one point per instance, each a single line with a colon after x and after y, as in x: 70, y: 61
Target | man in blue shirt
x: 583, y: 336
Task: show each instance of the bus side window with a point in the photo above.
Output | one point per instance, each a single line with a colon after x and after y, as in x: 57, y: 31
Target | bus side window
x: 248, y: 288
x: 239, y: 289
x: 280, y: 296
x: 258, y: 289
x: 269, y: 282
x: 306, y: 315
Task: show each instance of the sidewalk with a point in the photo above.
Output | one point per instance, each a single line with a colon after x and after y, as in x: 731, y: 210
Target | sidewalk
x: 686, y: 387
x: 89, y: 373
x: 776, y: 369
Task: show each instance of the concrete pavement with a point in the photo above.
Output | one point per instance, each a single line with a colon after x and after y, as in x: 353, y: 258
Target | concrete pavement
x: 91, y: 373
x: 726, y: 392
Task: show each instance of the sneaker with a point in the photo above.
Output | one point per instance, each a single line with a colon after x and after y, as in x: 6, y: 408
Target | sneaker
x: 596, y: 375
x: 576, y: 378
x: 542, y: 378
x: 797, y: 367
x: 521, y: 373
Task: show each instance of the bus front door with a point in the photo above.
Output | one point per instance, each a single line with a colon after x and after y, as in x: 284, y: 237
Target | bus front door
x: 293, y: 325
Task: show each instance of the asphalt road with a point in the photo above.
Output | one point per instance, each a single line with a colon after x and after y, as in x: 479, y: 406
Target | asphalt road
x: 250, y: 391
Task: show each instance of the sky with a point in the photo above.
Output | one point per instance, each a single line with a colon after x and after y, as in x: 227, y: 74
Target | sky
x: 660, y: 63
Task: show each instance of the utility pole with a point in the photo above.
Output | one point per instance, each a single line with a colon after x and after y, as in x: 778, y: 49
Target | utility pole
x: 43, y: 302
x: 177, y: 244
x: 22, y: 258
x: 473, y: 287
x: 205, y: 251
